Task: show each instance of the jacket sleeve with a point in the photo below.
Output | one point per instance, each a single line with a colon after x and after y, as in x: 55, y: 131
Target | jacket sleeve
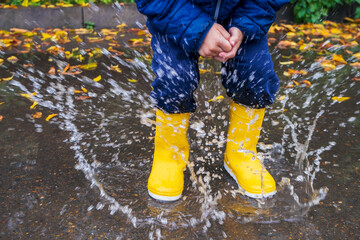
x: 180, y: 20
x: 254, y: 17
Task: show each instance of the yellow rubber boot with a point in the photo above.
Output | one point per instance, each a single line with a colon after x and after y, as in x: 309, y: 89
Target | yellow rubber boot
x: 166, y: 181
x: 240, y: 155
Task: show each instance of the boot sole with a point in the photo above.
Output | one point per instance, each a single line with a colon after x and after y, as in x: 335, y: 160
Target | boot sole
x: 164, y: 198
x: 252, y: 195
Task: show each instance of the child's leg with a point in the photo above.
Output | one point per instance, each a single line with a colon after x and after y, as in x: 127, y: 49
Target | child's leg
x: 249, y: 78
x: 251, y: 82
x: 177, y: 77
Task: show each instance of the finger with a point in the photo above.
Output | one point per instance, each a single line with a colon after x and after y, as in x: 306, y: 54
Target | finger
x: 228, y: 55
x: 236, y: 36
x: 224, y: 44
x: 223, y: 31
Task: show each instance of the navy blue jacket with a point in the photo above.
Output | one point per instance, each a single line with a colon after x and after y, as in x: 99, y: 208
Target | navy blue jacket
x: 187, y: 21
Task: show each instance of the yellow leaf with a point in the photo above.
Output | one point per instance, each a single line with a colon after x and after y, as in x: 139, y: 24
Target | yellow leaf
x: 338, y: 58
x: 282, y: 97
x: 12, y: 59
x: 340, y: 99
x: 204, y: 70
x: 84, y: 90
x: 1, y: 103
x: 6, y: 79
x: 122, y: 25
x: 98, y: 78
x: 90, y: 66
x: 115, y: 68
x: 37, y: 115
x: 25, y: 3
x: 33, y: 105
x: 357, y: 55
x: 286, y: 63
x: 28, y: 96
x: 327, y: 65
x: 51, y: 116
x: 1, y: 61
x: 78, y: 91
x: 132, y: 80
x: 216, y: 99
x: 291, y: 34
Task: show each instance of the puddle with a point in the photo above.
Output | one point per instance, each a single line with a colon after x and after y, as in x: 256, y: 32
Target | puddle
x: 80, y: 169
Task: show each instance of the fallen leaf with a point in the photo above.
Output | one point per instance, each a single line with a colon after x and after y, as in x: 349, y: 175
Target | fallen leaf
x: 356, y: 79
x: 355, y: 65
x: 52, y: 71
x: 50, y: 116
x: 77, y: 91
x: 28, y: 65
x: 291, y: 72
x: 204, y: 70
x: 217, y: 99
x: 296, y: 83
x: 287, y: 44
x: 118, y: 53
x: 12, y: 59
x: 37, y: 115
x: 28, y: 96
x: 338, y: 58
x: 132, y: 80
x: 98, y: 78
x: 272, y: 40
x: 1, y: 118
x: 282, y: 97
x: 84, y: 90
x: 357, y: 55
x: 340, y: 99
x: 6, y: 79
x: 116, y: 68
x: 89, y: 66
x: 286, y: 63
x: 308, y: 84
x: 82, y: 97
x: 328, y: 65
x: 1, y: 61
x: 33, y: 105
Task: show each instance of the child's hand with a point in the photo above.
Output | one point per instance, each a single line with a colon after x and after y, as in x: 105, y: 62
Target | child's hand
x: 215, y: 42
x: 236, y: 37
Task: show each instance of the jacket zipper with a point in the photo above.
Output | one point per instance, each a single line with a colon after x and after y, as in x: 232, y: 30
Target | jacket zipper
x: 217, y: 9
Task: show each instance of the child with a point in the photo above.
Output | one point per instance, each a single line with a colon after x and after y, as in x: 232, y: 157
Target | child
x: 230, y: 31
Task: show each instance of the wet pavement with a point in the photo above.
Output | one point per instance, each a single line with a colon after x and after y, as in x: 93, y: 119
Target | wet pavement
x: 82, y: 174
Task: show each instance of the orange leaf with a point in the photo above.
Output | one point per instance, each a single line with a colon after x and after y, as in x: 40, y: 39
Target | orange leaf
x: 37, y: 115
x: 287, y: 44
x: 308, y: 84
x: 355, y: 65
x: 82, y: 97
x: 52, y: 71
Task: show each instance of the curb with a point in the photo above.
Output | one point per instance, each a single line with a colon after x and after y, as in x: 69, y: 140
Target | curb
x: 111, y: 15
x: 103, y: 16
